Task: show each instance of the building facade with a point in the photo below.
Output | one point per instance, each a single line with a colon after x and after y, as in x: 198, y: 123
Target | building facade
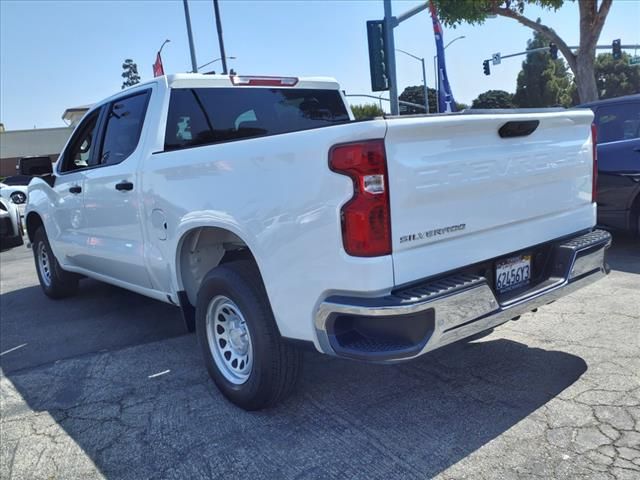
x: 36, y: 142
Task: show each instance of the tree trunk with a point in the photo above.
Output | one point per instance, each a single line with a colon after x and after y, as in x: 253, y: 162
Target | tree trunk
x: 585, y: 76
x: 591, y: 23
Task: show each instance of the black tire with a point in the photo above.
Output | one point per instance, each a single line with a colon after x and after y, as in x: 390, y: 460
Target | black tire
x: 60, y: 283
x: 276, y: 365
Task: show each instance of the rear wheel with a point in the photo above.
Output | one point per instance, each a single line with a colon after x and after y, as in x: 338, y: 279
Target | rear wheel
x: 55, y: 282
x: 242, y: 348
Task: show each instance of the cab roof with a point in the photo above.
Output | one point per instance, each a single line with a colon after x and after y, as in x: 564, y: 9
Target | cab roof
x: 200, y: 80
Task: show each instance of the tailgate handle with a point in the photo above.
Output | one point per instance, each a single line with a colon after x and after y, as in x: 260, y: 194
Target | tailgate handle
x: 518, y: 128
x: 124, y: 186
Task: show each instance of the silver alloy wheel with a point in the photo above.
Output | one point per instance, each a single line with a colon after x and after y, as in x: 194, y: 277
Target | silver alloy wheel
x: 18, y: 198
x: 229, y: 340
x: 44, y: 263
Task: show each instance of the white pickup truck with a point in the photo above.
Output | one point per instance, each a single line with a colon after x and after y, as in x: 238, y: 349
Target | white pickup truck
x: 274, y: 220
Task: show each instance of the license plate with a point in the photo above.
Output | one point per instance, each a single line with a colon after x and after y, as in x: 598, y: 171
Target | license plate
x: 513, y: 273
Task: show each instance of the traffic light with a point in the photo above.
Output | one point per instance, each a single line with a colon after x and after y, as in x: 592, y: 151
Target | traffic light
x: 378, y: 55
x: 553, y: 50
x: 486, y: 67
x: 617, y: 49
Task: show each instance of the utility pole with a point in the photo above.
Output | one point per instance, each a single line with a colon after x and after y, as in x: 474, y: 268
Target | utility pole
x: 194, y: 64
x: 391, y: 58
x: 216, y: 9
x: 391, y: 22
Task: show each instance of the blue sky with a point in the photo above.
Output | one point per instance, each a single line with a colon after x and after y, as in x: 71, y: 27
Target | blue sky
x: 59, y: 54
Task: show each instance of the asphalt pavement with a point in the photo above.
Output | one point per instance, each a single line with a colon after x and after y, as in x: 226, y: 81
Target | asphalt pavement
x: 108, y: 385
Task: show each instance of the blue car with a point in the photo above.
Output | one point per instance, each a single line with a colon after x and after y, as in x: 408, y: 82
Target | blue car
x: 618, y: 139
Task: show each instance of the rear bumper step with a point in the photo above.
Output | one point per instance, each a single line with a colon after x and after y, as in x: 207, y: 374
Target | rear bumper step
x: 423, y: 317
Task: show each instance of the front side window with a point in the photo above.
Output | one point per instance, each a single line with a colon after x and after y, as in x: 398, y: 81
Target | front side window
x: 123, y: 128
x: 79, y: 152
x: 618, y: 122
x: 200, y: 116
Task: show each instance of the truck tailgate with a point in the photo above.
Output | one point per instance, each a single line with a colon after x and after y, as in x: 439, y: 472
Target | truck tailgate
x: 461, y: 194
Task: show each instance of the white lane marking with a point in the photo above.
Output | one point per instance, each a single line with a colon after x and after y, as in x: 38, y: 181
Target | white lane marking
x: 159, y: 373
x: 13, y: 349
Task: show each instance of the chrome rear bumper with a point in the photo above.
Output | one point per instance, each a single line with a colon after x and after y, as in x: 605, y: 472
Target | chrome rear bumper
x: 421, y: 318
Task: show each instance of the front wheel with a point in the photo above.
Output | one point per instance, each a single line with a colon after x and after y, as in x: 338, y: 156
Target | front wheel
x: 55, y: 282
x: 18, y: 198
x: 242, y: 348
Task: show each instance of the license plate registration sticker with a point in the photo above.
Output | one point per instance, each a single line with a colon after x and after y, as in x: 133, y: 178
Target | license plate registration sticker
x: 513, y: 273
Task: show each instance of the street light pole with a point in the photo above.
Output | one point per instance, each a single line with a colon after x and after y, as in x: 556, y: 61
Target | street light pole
x: 163, y: 44
x: 436, y: 73
x: 223, y: 57
x: 194, y: 64
x: 424, y: 84
x: 424, y: 78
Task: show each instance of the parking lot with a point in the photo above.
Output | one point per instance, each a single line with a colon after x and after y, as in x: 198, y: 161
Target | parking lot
x: 108, y: 385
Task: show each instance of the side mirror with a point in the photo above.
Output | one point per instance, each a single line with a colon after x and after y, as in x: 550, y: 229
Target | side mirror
x: 35, y: 166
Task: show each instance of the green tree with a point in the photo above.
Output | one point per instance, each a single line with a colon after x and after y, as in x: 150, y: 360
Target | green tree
x: 543, y: 82
x: 591, y: 21
x: 415, y: 94
x: 616, y: 78
x: 130, y: 73
x: 366, y: 111
x: 494, y: 99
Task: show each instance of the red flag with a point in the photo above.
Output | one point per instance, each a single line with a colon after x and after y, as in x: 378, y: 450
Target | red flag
x: 158, y: 69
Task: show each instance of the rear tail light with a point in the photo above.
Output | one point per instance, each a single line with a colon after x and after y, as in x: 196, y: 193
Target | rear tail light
x: 594, y: 184
x: 366, y: 219
x: 251, y: 81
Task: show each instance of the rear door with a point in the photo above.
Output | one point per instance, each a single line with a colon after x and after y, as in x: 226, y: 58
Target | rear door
x: 618, y: 161
x: 461, y: 193
x: 111, y: 203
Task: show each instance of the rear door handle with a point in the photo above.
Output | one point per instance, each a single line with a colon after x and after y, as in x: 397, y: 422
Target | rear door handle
x: 124, y: 186
x: 75, y: 189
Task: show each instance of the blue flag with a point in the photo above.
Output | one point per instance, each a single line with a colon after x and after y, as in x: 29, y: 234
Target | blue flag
x: 446, y: 103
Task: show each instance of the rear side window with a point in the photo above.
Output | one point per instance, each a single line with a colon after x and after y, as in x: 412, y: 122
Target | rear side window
x: 124, y: 124
x: 618, y: 122
x: 200, y: 116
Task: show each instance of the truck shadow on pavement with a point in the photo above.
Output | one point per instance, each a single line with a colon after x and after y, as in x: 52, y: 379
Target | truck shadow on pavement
x: 101, y: 317
x: 150, y: 411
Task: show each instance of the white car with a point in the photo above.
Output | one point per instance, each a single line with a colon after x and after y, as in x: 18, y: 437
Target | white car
x: 10, y: 226
x: 275, y: 221
x: 14, y: 193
